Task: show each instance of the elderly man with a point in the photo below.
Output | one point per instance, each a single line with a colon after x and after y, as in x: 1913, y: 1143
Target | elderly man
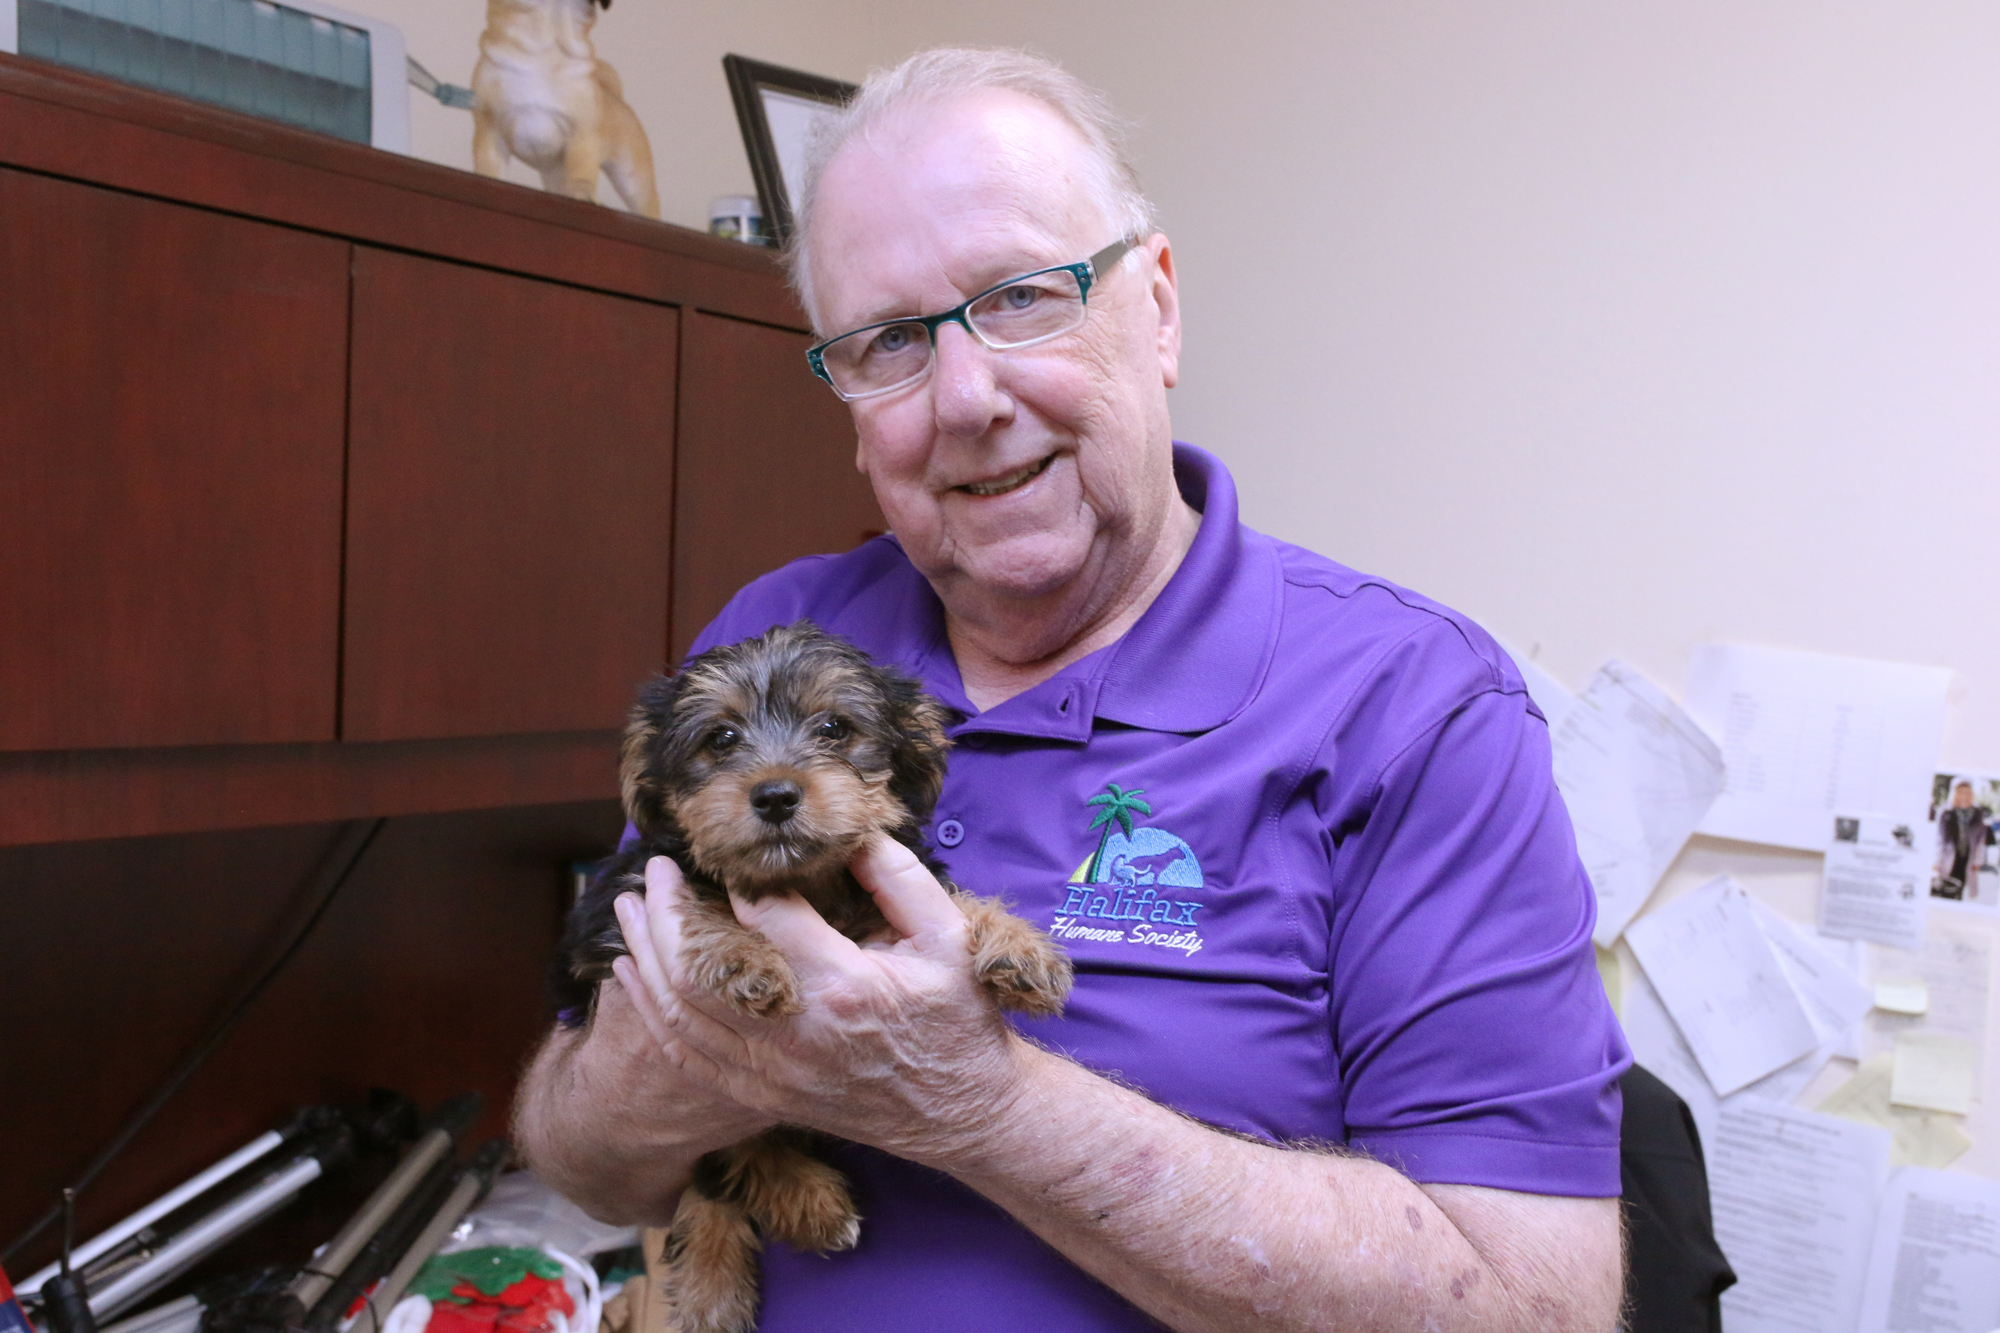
x: 1337, y: 1056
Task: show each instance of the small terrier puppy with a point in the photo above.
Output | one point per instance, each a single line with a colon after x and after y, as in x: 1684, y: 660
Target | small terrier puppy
x: 541, y: 94
x: 763, y: 767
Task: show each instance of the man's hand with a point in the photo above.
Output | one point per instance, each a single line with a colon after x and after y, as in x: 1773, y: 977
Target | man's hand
x: 609, y: 1121
x: 898, y: 1047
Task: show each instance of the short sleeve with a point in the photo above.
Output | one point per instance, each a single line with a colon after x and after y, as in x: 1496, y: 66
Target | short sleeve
x: 1476, y: 1042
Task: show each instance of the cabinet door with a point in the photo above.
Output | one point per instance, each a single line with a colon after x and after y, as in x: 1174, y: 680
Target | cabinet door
x: 766, y: 470
x: 509, y: 502
x: 171, y: 408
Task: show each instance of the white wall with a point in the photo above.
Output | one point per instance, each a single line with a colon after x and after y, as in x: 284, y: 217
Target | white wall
x: 1621, y: 327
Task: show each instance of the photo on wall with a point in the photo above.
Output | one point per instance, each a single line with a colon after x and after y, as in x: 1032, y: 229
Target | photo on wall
x: 1964, y: 833
x: 776, y: 108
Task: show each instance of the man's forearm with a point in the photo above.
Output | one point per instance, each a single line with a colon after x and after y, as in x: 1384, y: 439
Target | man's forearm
x: 1205, y: 1231
x: 593, y: 1120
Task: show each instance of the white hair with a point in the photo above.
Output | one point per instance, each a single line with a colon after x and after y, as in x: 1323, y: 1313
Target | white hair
x: 952, y: 71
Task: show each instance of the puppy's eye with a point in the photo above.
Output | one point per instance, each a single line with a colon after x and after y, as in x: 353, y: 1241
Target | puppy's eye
x: 723, y: 739
x: 835, y: 729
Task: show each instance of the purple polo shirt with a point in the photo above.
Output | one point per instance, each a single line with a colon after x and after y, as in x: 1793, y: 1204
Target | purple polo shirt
x: 1298, y: 831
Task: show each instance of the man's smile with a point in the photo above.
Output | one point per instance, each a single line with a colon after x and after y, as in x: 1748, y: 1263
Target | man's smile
x: 1012, y: 481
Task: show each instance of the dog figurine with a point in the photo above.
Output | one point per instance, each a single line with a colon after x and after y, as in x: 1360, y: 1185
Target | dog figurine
x: 763, y: 767
x: 541, y: 94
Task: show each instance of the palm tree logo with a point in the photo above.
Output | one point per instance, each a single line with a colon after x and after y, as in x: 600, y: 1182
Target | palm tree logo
x: 1114, y: 806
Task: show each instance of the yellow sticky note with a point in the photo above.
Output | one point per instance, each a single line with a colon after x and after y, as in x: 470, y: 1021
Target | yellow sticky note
x: 1922, y: 1138
x: 1933, y: 1072
x: 1613, y: 977
x: 1903, y: 997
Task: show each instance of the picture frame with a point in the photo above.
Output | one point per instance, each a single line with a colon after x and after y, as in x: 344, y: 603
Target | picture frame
x: 776, y: 108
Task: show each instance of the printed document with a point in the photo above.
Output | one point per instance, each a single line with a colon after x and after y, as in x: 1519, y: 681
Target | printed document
x: 1956, y: 967
x: 1936, y: 1260
x: 1833, y: 1000
x: 1794, y: 1195
x: 1637, y: 775
x: 1877, y: 882
x: 1808, y: 735
x: 1717, y: 976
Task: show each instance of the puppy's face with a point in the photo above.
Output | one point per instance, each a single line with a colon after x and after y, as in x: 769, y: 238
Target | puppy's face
x: 779, y: 756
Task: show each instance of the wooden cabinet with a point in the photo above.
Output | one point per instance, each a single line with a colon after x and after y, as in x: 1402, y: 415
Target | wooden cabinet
x: 510, y: 501
x: 338, y: 483
x: 172, y: 395
x: 767, y: 466
x: 335, y: 484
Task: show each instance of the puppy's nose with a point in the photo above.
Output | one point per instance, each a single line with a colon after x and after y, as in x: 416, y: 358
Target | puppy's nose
x: 775, y: 802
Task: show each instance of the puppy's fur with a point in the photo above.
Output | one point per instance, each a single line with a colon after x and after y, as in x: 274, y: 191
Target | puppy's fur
x: 542, y: 95
x: 763, y: 767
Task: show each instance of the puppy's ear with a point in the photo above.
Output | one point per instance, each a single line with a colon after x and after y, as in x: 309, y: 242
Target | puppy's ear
x: 640, y: 770
x: 916, y: 766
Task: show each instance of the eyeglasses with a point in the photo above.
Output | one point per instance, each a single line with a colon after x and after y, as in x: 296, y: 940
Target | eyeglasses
x: 1020, y: 312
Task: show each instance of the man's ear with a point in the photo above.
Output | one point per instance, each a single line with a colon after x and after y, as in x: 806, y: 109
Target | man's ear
x: 1166, y: 295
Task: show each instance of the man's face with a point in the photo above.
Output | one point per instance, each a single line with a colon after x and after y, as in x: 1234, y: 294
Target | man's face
x: 1004, y: 473
x: 1961, y: 796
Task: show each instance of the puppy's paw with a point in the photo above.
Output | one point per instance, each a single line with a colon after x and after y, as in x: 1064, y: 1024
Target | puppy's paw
x: 810, y: 1209
x: 1033, y: 981
x: 1020, y: 966
x: 711, y: 1280
x: 764, y: 992
x: 751, y: 975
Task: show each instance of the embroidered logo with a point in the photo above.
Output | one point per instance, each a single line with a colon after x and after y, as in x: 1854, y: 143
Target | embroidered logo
x: 1124, y: 880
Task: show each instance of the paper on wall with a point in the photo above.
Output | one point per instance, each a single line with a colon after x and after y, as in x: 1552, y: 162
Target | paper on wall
x: 1637, y: 775
x: 1806, y: 735
x: 1721, y: 982
x: 1932, y: 1073
x: 1921, y: 1138
x: 1834, y: 1000
x: 1794, y: 1195
x: 1611, y: 972
x: 1903, y: 997
x: 1956, y: 967
x: 1876, y: 884
x: 1935, y: 1264
x: 1658, y: 1045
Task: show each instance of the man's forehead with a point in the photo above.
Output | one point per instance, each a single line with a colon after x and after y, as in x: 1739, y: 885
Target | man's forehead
x: 949, y: 195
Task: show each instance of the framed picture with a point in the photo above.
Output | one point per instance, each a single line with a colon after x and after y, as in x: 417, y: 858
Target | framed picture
x: 777, y: 109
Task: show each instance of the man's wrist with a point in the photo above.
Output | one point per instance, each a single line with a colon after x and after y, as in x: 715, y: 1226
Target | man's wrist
x: 1025, y: 1127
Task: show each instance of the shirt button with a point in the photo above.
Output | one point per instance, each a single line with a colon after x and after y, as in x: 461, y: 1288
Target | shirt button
x: 950, y: 833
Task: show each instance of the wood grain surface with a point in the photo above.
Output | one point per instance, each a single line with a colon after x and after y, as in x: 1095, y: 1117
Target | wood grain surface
x: 172, y: 401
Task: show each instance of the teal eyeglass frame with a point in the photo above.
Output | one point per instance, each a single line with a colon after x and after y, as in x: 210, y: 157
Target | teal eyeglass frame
x: 1085, y: 271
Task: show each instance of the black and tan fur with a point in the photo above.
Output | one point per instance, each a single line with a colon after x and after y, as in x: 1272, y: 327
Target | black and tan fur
x: 763, y: 767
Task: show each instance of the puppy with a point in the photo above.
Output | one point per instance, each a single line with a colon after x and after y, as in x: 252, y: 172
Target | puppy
x: 763, y: 767
x: 541, y: 94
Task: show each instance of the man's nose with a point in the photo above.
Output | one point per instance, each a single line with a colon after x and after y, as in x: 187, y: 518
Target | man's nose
x: 964, y: 388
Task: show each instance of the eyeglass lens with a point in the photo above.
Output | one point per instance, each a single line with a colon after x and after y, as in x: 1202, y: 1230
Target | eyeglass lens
x: 1029, y: 310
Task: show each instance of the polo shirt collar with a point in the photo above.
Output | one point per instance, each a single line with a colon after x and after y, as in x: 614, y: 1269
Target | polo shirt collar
x: 1194, y: 660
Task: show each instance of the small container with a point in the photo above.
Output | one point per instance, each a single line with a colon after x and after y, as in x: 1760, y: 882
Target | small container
x: 737, y: 217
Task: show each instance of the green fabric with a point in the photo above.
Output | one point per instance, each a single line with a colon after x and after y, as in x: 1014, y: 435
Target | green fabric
x: 489, y: 1271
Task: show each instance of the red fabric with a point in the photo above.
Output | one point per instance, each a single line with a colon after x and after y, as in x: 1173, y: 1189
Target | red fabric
x: 521, y: 1308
